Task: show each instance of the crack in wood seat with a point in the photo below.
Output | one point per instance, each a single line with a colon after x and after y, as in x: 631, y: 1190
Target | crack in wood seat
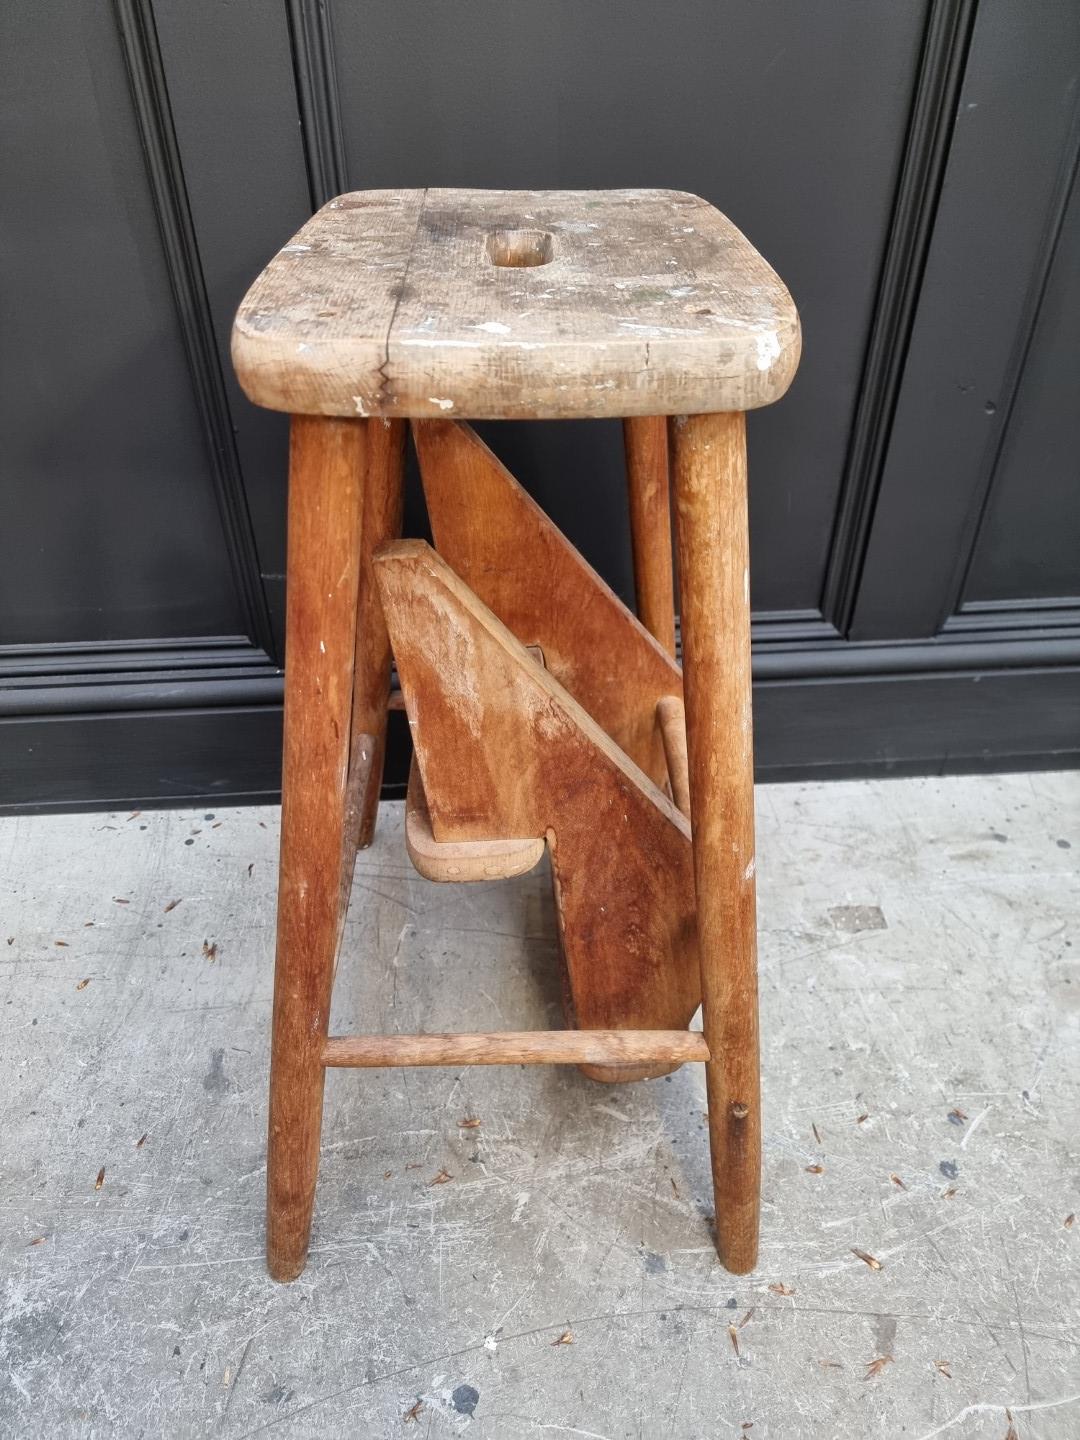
x: 490, y: 304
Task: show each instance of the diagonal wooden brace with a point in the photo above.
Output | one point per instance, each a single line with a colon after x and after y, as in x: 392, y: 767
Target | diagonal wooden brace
x: 520, y: 565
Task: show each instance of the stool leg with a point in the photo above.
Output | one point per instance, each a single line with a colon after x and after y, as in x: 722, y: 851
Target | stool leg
x: 326, y: 474
x: 383, y: 491
x: 709, y: 464
x: 646, y: 442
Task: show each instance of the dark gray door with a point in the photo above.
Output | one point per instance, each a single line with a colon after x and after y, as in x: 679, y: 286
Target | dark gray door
x: 909, y: 170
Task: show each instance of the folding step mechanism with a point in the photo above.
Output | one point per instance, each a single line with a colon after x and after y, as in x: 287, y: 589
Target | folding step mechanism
x: 570, y: 747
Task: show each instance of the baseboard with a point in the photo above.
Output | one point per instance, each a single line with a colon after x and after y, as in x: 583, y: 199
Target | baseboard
x: 917, y: 724
x: 811, y: 727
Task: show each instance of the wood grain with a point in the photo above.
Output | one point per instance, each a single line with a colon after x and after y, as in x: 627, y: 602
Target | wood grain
x: 649, y: 493
x: 523, y: 1047
x: 362, y: 751
x: 418, y: 303
x: 671, y: 717
x: 506, y: 752
x: 709, y: 472
x: 382, y: 503
x: 326, y: 469
x: 520, y: 565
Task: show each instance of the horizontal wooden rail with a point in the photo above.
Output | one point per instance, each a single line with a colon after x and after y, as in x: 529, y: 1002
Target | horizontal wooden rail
x: 522, y: 1047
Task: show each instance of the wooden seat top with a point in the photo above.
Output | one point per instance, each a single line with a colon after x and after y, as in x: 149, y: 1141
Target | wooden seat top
x: 495, y: 304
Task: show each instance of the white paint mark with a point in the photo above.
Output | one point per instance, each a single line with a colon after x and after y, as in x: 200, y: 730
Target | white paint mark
x: 493, y: 327
x: 322, y: 647
x: 442, y: 404
x: 653, y: 331
x: 985, y: 1408
x: 423, y: 342
x: 295, y: 249
x: 573, y: 1430
x: 615, y: 1114
x: 768, y: 350
x: 499, y: 1325
x: 974, y: 1126
x: 358, y: 401
x: 748, y: 873
x: 302, y: 349
x: 17, y: 1382
x: 520, y: 1201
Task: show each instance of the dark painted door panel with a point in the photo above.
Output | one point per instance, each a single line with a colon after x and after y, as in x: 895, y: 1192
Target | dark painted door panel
x: 789, y: 118
x: 111, y: 528
x: 909, y: 170
x: 987, y: 413
x: 1028, y: 544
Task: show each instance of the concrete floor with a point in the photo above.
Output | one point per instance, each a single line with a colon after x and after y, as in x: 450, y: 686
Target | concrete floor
x: 921, y: 1021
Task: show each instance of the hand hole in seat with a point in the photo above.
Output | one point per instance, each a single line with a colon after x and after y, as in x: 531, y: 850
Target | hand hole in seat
x: 520, y: 248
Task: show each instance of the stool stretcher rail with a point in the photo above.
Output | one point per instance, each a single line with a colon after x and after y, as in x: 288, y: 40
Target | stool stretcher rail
x: 523, y: 1047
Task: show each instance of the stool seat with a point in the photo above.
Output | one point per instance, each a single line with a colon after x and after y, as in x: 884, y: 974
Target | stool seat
x: 526, y: 304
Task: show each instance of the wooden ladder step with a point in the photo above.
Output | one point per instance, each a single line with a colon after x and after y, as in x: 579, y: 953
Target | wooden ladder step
x: 520, y: 1047
x: 460, y: 860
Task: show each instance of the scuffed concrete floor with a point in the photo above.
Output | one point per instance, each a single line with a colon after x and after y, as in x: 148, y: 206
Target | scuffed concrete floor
x: 921, y: 1020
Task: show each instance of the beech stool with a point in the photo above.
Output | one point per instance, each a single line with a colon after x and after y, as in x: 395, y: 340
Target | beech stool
x: 544, y: 714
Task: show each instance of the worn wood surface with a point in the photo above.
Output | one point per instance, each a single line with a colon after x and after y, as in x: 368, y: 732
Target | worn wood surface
x: 506, y: 751
x: 358, y: 787
x: 502, y: 304
x: 382, y: 502
x: 511, y: 555
x: 671, y: 718
x: 326, y: 470
x: 519, y: 1047
x: 460, y: 860
x: 709, y: 473
x: 649, y: 493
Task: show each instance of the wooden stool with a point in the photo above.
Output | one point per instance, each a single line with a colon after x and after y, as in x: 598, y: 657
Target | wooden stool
x: 442, y: 305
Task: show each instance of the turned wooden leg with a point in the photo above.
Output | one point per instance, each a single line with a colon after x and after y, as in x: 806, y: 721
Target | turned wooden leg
x: 646, y: 442
x: 709, y: 466
x: 383, y: 491
x: 326, y: 474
